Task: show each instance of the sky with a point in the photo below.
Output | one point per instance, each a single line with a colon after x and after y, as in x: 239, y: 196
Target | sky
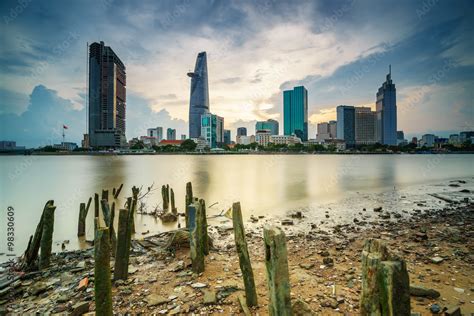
x: 339, y: 50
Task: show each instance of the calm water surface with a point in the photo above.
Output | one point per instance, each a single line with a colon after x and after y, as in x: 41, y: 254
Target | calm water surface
x: 264, y: 184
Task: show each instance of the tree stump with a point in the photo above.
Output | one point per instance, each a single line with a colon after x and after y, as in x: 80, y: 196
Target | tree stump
x: 123, y: 242
x: 196, y: 239
x: 102, y: 282
x: 81, y: 226
x: 276, y: 263
x: 47, y: 236
x: 244, y: 258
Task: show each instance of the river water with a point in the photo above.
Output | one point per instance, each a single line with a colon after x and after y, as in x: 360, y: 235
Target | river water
x: 269, y: 185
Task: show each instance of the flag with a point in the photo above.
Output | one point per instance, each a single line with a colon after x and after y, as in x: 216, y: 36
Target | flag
x: 64, y: 126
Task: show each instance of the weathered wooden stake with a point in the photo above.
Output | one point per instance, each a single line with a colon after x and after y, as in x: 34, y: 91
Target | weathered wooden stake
x: 109, y: 222
x: 244, y: 258
x: 132, y: 216
x: 102, y: 282
x: 105, y: 195
x: 117, y: 192
x: 385, y: 282
x: 195, y: 237
x: 113, y: 236
x: 81, y: 227
x: 122, y: 253
x: 96, y: 210
x: 47, y: 236
x: 205, y: 236
x: 189, y: 200
x: 276, y: 263
x: 130, y: 227
x: 173, y: 207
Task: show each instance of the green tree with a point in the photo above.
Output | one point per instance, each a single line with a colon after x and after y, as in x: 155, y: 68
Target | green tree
x: 188, y: 145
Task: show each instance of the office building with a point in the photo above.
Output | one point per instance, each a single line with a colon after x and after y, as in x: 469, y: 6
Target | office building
x: 454, y: 139
x: 270, y: 124
x: 326, y: 130
x: 171, y: 134
x: 284, y: 139
x: 364, y: 126
x: 386, y: 108
x: 183, y: 136
x: 295, y: 112
x: 346, y: 124
x: 262, y: 137
x: 199, y: 100
x: 466, y: 136
x: 107, y: 97
x: 212, y: 129
x: 227, y: 137
x: 245, y: 140
x: 155, y: 132
x: 427, y: 140
x: 241, y: 131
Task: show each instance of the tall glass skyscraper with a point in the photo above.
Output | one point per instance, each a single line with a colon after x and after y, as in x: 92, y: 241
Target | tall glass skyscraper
x: 386, y: 108
x: 346, y: 124
x: 199, y: 100
x: 295, y: 112
x: 270, y: 124
x: 212, y: 129
x: 107, y: 97
x: 241, y: 131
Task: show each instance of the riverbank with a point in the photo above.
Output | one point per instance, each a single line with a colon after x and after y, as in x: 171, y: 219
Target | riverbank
x: 436, y: 243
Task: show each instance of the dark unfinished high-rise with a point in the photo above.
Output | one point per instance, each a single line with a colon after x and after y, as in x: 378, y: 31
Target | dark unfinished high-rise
x: 107, y: 97
x: 199, y: 100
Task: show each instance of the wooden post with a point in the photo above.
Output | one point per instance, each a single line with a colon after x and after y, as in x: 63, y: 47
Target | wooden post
x: 132, y: 216
x: 130, y: 227
x: 189, y: 200
x: 205, y: 236
x: 102, y: 282
x: 122, y: 253
x: 87, y: 207
x: 47, y: 236
x: 276, y: 263
x: 244, y: 258
x: 105, y: 195
x: 173, y: 207
x: 81, y: 226
x: 385, y: 282
x: 109, y: 222
x: 96, y: 210
x: 195, y: 237
x: 113, y: 237
x: 165, y: 201
x: 117, y: 192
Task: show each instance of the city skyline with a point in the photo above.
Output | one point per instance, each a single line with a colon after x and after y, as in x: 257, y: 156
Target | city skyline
x: 46, y: 67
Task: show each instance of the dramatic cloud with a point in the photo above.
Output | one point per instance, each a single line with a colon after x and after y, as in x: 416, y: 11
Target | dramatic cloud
x: 340, y: 50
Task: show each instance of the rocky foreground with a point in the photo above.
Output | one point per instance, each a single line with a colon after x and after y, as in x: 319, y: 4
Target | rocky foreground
x: 437, y: 245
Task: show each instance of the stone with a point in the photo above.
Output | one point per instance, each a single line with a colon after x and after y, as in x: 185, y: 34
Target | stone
x: 155, y: 299
x: 421, y: 291
x: 80, y: 308
x: 328, y: 261
x: 437, y: 259
x: 330, y: 302
x: 435, y: 308
x: 38, y: 288
x: 198, y: 285
x: 301, y: 308
x: 307, y: 266
x: 378, y: 209
x: 83, y: 284
x: 453, y: 311
x: 287, y: 222
x: 209, y: 297
x: 459, y: 290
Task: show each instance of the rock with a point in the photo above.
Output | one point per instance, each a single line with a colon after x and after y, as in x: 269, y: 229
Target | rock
x: 459, y: 290
x: 307, y: 266
x: 378, y: 209
x: 155, y: 299
x: 198, y: 285
x: 209, y: 297
x: 437, y: 260
x: 287, y: 222
x: 179, y: 266
x: 301, y: 308
x: 385, y: 215
x: 62, y: 299
x: 435, y: 308
x: 38, y: 288
x: 325, y: 253
x: 80, y: 308
x: 83, y: 284
x: 175, y: 310
x: 330, y: 302
x: 328, y: 261
x: 298, y: 215
x: 421, y: 291
x: 453, y: 311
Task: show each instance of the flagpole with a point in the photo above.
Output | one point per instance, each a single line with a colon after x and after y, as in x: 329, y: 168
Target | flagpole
x: 63, y: 134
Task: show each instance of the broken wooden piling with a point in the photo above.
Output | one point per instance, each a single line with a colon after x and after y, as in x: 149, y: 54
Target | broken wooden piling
x: 174, y: 210
x: 47, y: 236
x: 244, y: 258
x: 123, y: 242
x: 96, y: 210
x: 276, y: 263
x: 102, y: 281
x: 195, y: 237
x: 204, y: 227
x: 117, y: 192
x: 81, y: 226
x: 189, y: 200
x: 105, y: 195
x: 385, y: 282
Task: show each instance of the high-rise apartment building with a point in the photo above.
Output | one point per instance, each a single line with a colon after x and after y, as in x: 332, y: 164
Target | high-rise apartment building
x: 270, y: 124
x: 171, y: 134
x: 241, y: 131
x: 295, y: 112
x: 364, y: 126
x: 227, y: 138
x: 212, y: 129
x: 346, y: 124
x: 386, y: 108
x: 155, y: 132
x: 107, y: 97
x: 326, y: 130
x: 199, y: 100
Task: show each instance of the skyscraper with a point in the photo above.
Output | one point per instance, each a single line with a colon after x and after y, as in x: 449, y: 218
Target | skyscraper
x: 107, y: 97
x: 241, y: 131
x: 386, y: 108
x: 326, y: 130
x: 171, y: 134
x: 212, y: 129
x: 156, y: 132
x: 365, y: 120
x: 295, y: 112
x: 227, y: 137
x: 270, y: 124
x: 346, y: 124
x: 199, y: 100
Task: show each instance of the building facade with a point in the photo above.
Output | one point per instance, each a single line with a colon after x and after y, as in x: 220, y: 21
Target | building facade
x: 245, y: 140
x: 346, y: 124
x: 171, y: 134
x: 107, y: 97
x: 364, y: 126
x: 386, y: 108
x: 285, y: 139
x: 427, y: 140
x: 241, y: 131
x: 212, y: 129
x: 326, y: 130
x: 155, y: 132
x: 262, y: 137
x: 295, y: 112
x: 199, y: 99
x: 270, y: 124
x: 227, y: 137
